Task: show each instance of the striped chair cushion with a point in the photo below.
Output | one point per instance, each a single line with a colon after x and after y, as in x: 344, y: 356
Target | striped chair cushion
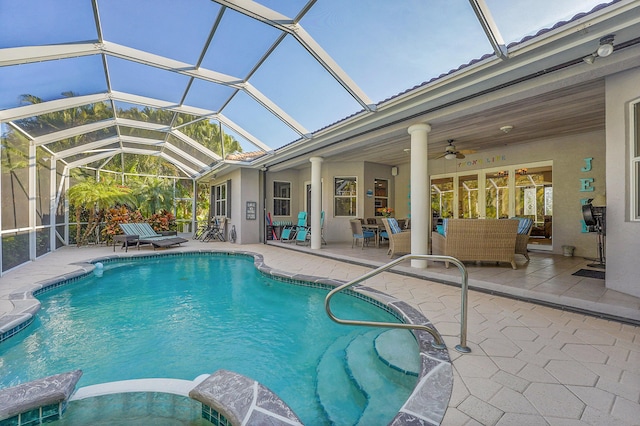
x: 393, y: 224
x: 524, y: 225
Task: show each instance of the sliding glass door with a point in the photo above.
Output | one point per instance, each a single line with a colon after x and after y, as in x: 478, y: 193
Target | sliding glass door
x: 517, y: 190
x: 497, y: 194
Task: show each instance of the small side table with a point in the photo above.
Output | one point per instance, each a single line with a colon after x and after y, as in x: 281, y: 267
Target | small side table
x: 125, y: 240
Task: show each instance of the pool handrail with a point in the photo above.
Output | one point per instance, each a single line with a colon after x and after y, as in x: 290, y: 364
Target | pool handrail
x: 438, y: 342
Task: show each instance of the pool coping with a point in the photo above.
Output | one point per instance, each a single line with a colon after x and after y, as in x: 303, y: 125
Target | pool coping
x: 425, y: 406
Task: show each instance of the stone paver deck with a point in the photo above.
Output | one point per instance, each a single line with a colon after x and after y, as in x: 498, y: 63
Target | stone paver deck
x: 530, y: 364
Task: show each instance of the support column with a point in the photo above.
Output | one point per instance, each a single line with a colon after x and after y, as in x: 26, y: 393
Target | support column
x: 33, y: 177
x: 194, y: 208
x: 419, y: 193
x: 316, y: 202
x: 53, y: 203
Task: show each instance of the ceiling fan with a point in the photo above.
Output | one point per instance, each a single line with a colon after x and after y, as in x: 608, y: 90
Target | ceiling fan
x: 450, y: 152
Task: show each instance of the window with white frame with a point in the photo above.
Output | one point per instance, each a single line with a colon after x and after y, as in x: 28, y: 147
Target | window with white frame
x: 219, y: 195
x: 635, y: 163
x: 281, y: 198
x: 345, y: 196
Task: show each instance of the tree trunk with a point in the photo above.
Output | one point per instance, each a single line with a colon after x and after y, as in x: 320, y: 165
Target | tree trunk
x: 78, y: 232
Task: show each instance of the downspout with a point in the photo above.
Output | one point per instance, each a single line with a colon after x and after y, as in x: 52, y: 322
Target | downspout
x: 263, y: 171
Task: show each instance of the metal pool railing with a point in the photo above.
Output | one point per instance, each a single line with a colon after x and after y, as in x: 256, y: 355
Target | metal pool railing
x: 438, y: 342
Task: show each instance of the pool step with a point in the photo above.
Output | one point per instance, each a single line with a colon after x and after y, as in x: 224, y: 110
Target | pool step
x: 399, y: 350
x: 383, y: 386
x: 335, y: 386
x: 377, y: 369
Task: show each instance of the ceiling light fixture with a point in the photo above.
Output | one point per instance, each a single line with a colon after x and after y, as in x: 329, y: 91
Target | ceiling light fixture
x: 506, y: 129
x: 450, y: 156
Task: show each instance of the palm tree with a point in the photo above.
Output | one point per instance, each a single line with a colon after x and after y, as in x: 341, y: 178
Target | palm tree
x: 153, y: 195
x: 96, y: 197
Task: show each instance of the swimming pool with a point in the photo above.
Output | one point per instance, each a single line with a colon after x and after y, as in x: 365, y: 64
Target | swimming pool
x: 173, y: 315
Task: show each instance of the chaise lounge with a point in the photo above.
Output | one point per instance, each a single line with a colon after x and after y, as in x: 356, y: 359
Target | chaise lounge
x: 147, y: 235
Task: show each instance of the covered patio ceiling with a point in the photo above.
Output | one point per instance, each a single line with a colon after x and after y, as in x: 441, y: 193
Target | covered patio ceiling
x: 267, y: 78
x: 568, y: 111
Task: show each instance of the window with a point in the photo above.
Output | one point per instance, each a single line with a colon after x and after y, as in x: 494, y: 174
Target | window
x: 635, y: 163
x: 381, y: 195
x: 442, y: 197
x: 281, y: 198
x: 534, y: 192
x: 497, y: 194
x: 344, y: 196
x: 219, y: 195
x: 468, y: 197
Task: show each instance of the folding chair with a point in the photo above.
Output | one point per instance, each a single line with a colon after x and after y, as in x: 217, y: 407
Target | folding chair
x: 304, y: 234
x: 217, y: 230
x: 289, y: 233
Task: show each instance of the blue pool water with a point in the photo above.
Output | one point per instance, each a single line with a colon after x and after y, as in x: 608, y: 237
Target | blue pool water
x: 183, y: 316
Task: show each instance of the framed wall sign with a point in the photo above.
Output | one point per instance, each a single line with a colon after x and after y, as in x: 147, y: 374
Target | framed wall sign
x: 251, y: 212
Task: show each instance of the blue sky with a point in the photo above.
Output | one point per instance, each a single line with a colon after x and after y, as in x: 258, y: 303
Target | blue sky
x: 385, y: 46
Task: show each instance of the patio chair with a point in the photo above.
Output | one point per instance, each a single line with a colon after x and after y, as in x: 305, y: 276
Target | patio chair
x: 289, y: 232
x: 399, y: 240
x: 359, y: 234
x: 147, y: 235
x: 303, y: 236
x: 522, y: 239
x: 216, y: 232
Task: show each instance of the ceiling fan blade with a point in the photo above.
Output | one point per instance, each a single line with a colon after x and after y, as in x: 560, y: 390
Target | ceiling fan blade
x: 467, y: 151
x: 459, y: 155
x: 440, y: 155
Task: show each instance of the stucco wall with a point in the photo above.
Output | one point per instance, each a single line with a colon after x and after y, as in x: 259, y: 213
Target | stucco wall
x: 338, y: 228
x: 248, y: 231
x: 245, y: 186
x: 623, y: 236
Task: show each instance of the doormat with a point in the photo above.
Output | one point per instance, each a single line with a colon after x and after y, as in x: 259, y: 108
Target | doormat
x: 590, y: 273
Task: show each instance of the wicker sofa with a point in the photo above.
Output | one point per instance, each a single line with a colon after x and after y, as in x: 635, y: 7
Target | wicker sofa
x: 399, y: 241
x: 477, y: 240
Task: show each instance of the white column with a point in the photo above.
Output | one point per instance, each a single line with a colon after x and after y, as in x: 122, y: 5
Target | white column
x: 316, y: 201
x: 419, y: 193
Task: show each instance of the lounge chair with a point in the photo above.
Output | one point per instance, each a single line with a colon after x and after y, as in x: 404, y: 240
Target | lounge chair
x: 303, y: 236
x: 289, y: 232
x: 147, y: 235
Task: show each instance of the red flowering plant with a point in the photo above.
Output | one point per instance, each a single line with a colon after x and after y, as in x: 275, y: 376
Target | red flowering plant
x: 163, y: 221
x: 114, y: 217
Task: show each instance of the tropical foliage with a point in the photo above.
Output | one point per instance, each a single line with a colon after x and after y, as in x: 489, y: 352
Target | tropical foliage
x: 152, y: 178
x: 152, y: 194
x: 95, y: 198
x: 117, y: 215
x: 163, y: 221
